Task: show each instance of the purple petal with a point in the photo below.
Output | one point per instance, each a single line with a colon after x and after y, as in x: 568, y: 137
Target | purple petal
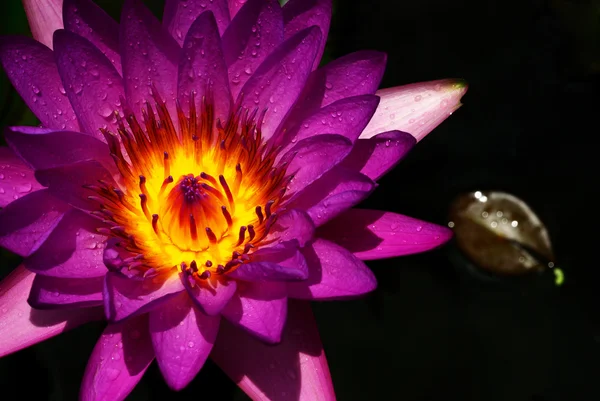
x: 235, y: 6
x: 278, y: 81
x: 295, y: 370
x: 179, y: 15
x: 211, y: 297
x: 335, y: 192
x: 118, y: 362
x: 31, y: 68
x: 60, y: 293
x: 416, y: 108
x: 150, y: 57
x: 16, y: 178
x: 67, y: 182
x: 202, y: 69
x: 86, y: 19
x: 27, y: 222
x: 260, y: 309
x: 44, y: 18
x: 301, y: 14
x: 182, y: 338
x: 347, y: 117
x: 334, y: 274
x: 23, y: 326
x: 125, y: 297
x: 375, y: 156
x: 292, y: 225
x: 45, y: 148
x: 72, y: 250
x: 279, y: 263
x: 255, y: 32
x: 373, y: 234
x: 315, y: 156
x: 92, y: 83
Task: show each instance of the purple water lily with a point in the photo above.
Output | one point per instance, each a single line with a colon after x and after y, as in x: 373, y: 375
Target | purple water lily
x: 193, y: 181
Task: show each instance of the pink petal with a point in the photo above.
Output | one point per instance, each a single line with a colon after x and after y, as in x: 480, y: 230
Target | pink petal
x: 313, y: 157
x: 373, y: 234
x: 347, y: 117
x: 202, y: 69
x: 44, y: 18
x: 92, y: 83
x: 32, y: 70
x: 292, y: 225
x: 118, y: 361
x: 335, y: 192
x: 22, y: 326
x: 278, y: 81
x: 282, y: 262
x: 301, y: 14
x: 72, y: 250
x: 246, y: 42
x: 334, y: 274
x: 88, y: 20
x: 26, y: 223
x: 212, y: 297
x: 182, y: 338
x: 124, y: 297
x: 150, y: 56
x: 180, y: 14
x: 294, y: 370
x: 377, y: 155
x: 16, y: 178
x: 260, y: 309
x: 45, y: 148
x: 416, y: 108
x: 67, y: 182
x: 235, y: 5
x: 59, y: 293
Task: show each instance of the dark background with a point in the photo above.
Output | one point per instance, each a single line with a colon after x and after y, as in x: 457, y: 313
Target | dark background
x: 432, y: 331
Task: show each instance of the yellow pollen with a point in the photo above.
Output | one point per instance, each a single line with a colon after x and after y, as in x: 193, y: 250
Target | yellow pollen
x: 199, y: 199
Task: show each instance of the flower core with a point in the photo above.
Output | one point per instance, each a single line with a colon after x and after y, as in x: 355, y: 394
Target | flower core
x: 199, y: 198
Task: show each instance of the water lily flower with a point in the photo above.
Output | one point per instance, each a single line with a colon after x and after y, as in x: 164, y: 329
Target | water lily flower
x: 194, y: 182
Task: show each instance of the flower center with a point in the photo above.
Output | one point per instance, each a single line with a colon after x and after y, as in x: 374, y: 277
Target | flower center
x: 200, y: 198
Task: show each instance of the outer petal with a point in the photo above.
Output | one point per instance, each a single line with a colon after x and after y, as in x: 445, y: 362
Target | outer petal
x: 347, y: 117
x: 44, y: 148
x: 202, y: 68
x: 334, y: 273
x: 280, y: 78
x: 335, y: 192
x: 260, y: 309
x: 373, y: 234
x: 67, y: 182
x: 301, y: 14
x: 73, y: 250
x: 26, y: 223
x: 31, y: 68
x: 315, y: 156
x: 59, y: 293
x: 92, y: 83
x: 294, y: 370
x: 179, y: 15
x: 88, y: 20
x: 212, y: 297
x: 118, y: 361
x: 416, y: 108
x: 124, y: 297
x: 182, y: 338
x: 150, y: 57
x: 255, y: 32
x: 16, y: 178
x: 44, y: 18
x: 235, y: 5
x: 377, y: 155
x: 22, y: 326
